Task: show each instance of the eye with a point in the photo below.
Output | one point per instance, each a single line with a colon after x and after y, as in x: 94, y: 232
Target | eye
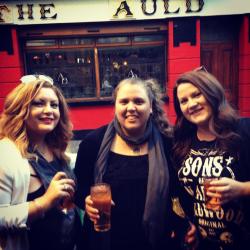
x: 37, y: 103
x: 183, y: 101
x: 139, y: 101
x: 123, y: 101
x: 54, y: 105
x: 197, y: 94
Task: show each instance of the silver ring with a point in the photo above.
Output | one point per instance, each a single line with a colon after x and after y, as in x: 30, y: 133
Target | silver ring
x: 65, y: 187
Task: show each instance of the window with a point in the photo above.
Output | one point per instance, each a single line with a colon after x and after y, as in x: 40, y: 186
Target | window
x: 88, y: 67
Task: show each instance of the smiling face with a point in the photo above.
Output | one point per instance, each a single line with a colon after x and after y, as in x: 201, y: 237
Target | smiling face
x: 44, y: 113
x: 194, y: 105
x: 132, y: 109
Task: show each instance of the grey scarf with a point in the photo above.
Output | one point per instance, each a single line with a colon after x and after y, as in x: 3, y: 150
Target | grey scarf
x: 154, y: 217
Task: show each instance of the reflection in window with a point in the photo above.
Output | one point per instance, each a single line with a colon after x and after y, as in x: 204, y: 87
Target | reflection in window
x: 77, y: 41
x: 117, y: 64
x: 72, y: 70
x: 34, y: 43
x: 148, y: 38
x: 121, y: 39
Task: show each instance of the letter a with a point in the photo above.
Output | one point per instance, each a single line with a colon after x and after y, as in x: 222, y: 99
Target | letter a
x: 123, y: 8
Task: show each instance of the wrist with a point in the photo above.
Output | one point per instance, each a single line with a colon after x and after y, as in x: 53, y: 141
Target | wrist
x: 246, y: 188
x: 39, y: 208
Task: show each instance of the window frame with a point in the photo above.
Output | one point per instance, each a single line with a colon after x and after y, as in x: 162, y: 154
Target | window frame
x: 94, y: 31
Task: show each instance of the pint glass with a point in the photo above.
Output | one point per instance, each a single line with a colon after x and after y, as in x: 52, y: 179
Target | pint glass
x: 211, y: 203
x: 101, y: 197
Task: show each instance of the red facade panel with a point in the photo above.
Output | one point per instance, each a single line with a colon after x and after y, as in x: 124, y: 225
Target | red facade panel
x: 5, y: 88
x: 91, y: 117
x: 10, y: 75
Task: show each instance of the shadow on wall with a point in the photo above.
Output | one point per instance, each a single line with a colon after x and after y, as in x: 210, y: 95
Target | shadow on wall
x: 71, y: 151
x: 74, y: 144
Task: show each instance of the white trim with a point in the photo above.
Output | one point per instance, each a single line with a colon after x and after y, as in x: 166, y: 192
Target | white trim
x: 76, y: 11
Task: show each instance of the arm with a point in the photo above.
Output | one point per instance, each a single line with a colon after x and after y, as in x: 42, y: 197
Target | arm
x: 14, y: 182
x: 85, y: 163
x: 52, y: 197
x: 228, y: 189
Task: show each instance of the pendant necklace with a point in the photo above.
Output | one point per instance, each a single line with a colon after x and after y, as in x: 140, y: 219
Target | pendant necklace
x: 136, y: 149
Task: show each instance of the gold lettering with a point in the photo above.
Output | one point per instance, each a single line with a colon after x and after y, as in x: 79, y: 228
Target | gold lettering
x: 21, y: 12
x: 123, y: 8
x: 43, y: 11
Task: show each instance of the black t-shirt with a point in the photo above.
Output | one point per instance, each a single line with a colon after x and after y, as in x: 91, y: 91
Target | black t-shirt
x: 227, y: 226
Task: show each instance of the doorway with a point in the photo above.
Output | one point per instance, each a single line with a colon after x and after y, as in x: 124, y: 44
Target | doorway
x: 219, y: 52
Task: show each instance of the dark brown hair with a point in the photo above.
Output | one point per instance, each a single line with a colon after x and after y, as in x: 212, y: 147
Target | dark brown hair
x: 222, y: 124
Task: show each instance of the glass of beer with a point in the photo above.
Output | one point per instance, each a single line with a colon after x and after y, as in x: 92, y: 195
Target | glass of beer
x: 211, y: 203
x: 68, y: 202
x: 101, y: 197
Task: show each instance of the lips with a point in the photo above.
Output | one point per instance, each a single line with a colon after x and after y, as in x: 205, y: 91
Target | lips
x: 131, y: 117
x: 47, y: 120
x: 196, y: 111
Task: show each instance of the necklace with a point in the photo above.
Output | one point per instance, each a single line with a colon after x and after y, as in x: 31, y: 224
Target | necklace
x: 136, y: 149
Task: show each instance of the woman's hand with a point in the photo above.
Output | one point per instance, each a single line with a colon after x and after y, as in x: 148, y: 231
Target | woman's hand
x: 92, y: 212
x: 60, y: 187
x: 227, y: 189
x: 191, y: 238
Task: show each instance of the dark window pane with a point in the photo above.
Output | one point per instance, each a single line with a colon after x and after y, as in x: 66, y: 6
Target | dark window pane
x: 72, y: 70
x: 119, y: 63
x: 105, y: 40
x: 77, y: 41
x: 149, y: 38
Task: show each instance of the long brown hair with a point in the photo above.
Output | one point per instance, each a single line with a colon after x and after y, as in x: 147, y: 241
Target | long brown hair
x: 222, y: 124
x: 16, y: 111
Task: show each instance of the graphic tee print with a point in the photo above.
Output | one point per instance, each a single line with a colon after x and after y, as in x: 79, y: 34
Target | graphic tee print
x: 204, y: 159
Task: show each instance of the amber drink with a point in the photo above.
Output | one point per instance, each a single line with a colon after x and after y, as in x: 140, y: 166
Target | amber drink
x: 101, y: 197
x: 212, y: 203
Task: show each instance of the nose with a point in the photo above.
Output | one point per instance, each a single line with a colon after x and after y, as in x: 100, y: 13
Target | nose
x: 47, y: 108
x: 131, y: 106
x: 192, y: 103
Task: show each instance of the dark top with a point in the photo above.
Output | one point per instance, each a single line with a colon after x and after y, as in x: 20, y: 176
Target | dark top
x: 227, y: 228
x: 127, y: 176
x: 57, y: 230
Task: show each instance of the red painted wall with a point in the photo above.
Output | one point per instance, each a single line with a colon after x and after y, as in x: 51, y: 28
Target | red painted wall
x: 91, y: 117
x: 11, y: 68
x: 244, y: 69
x: 183, y: 58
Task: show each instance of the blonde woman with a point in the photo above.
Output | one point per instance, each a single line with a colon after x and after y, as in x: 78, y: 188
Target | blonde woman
x: 34, y: 175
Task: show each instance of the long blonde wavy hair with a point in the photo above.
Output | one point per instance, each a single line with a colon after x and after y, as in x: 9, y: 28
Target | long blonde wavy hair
x: 16, y: 111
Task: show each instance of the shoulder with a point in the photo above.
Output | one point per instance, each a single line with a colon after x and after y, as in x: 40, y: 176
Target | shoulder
x: 167, y: 141
x: 94, y: 138
x: 11, y: 157
x: 244, y: 127
x: 8, y: 149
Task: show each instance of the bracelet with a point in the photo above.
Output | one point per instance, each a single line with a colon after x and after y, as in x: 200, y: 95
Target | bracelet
x: 39, y: 207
